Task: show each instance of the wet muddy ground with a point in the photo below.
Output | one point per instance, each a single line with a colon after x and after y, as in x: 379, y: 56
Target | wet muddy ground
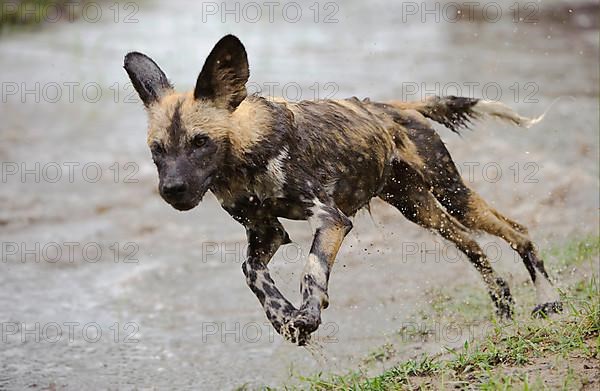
x: 103, y: 285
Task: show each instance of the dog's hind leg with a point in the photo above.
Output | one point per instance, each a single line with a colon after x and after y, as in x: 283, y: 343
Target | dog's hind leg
x: 407, y: 191
x: 480, y: 216
x: 459, y: 200
x: 473, y: 212
x: 516, y: 226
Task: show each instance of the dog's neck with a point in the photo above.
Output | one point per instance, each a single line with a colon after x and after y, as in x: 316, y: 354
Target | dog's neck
x: 262, y: 131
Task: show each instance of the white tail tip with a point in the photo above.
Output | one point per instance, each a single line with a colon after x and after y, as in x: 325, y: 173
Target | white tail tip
x: 501, y: 111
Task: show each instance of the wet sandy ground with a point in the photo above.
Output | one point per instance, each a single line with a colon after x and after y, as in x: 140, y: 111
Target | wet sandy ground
x: 144, y: 296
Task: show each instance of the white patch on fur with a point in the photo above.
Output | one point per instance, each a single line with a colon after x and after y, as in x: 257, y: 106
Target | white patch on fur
x: 330, y: 186
x: 313, y: 267
x: 317, y: 210
x: 545, y: 293
x: 275, y: 167
x: 271, y: 184
x: 503, y: 112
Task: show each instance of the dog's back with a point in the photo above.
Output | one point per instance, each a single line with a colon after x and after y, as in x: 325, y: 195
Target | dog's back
x: 349, y: 145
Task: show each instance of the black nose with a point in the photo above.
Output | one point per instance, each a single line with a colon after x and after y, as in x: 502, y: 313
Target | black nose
x: 174, y: 188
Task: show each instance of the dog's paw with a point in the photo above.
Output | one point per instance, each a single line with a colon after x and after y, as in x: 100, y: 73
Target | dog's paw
x: 546, y: 309
x: 298, y: 328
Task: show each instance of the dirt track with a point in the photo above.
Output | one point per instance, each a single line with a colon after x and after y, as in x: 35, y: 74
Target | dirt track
x: 184, y: 315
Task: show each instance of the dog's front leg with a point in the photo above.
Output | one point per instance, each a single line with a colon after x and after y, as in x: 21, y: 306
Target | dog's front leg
x: 264, y: 238
x: 330, y: 227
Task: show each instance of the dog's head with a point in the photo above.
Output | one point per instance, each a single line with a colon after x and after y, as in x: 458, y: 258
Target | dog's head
x: 189, y: 133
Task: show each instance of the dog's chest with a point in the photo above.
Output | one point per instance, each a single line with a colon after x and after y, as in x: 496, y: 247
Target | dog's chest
x: 269, y: 182
x: 262, y: 183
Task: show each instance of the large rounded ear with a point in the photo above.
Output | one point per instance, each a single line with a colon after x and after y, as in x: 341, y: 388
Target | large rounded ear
x: 148, y: 79
x: 224, y: 74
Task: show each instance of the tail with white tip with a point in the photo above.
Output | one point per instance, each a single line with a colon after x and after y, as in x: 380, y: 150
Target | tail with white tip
x: 457, y: 113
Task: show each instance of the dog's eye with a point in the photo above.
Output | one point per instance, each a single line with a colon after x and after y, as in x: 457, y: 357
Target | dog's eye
x: 157, y: 149
x: 199, y: 140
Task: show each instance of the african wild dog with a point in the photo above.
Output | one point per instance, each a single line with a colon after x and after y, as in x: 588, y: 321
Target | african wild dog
x: 319, y: 161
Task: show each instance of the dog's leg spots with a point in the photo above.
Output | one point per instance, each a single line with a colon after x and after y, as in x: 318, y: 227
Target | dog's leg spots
x: 278, y: 309
x: 497, y: 287
x: 546, y: 309
x: 502, y: 299
x: 330, y: 226
x: 265, y: 236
